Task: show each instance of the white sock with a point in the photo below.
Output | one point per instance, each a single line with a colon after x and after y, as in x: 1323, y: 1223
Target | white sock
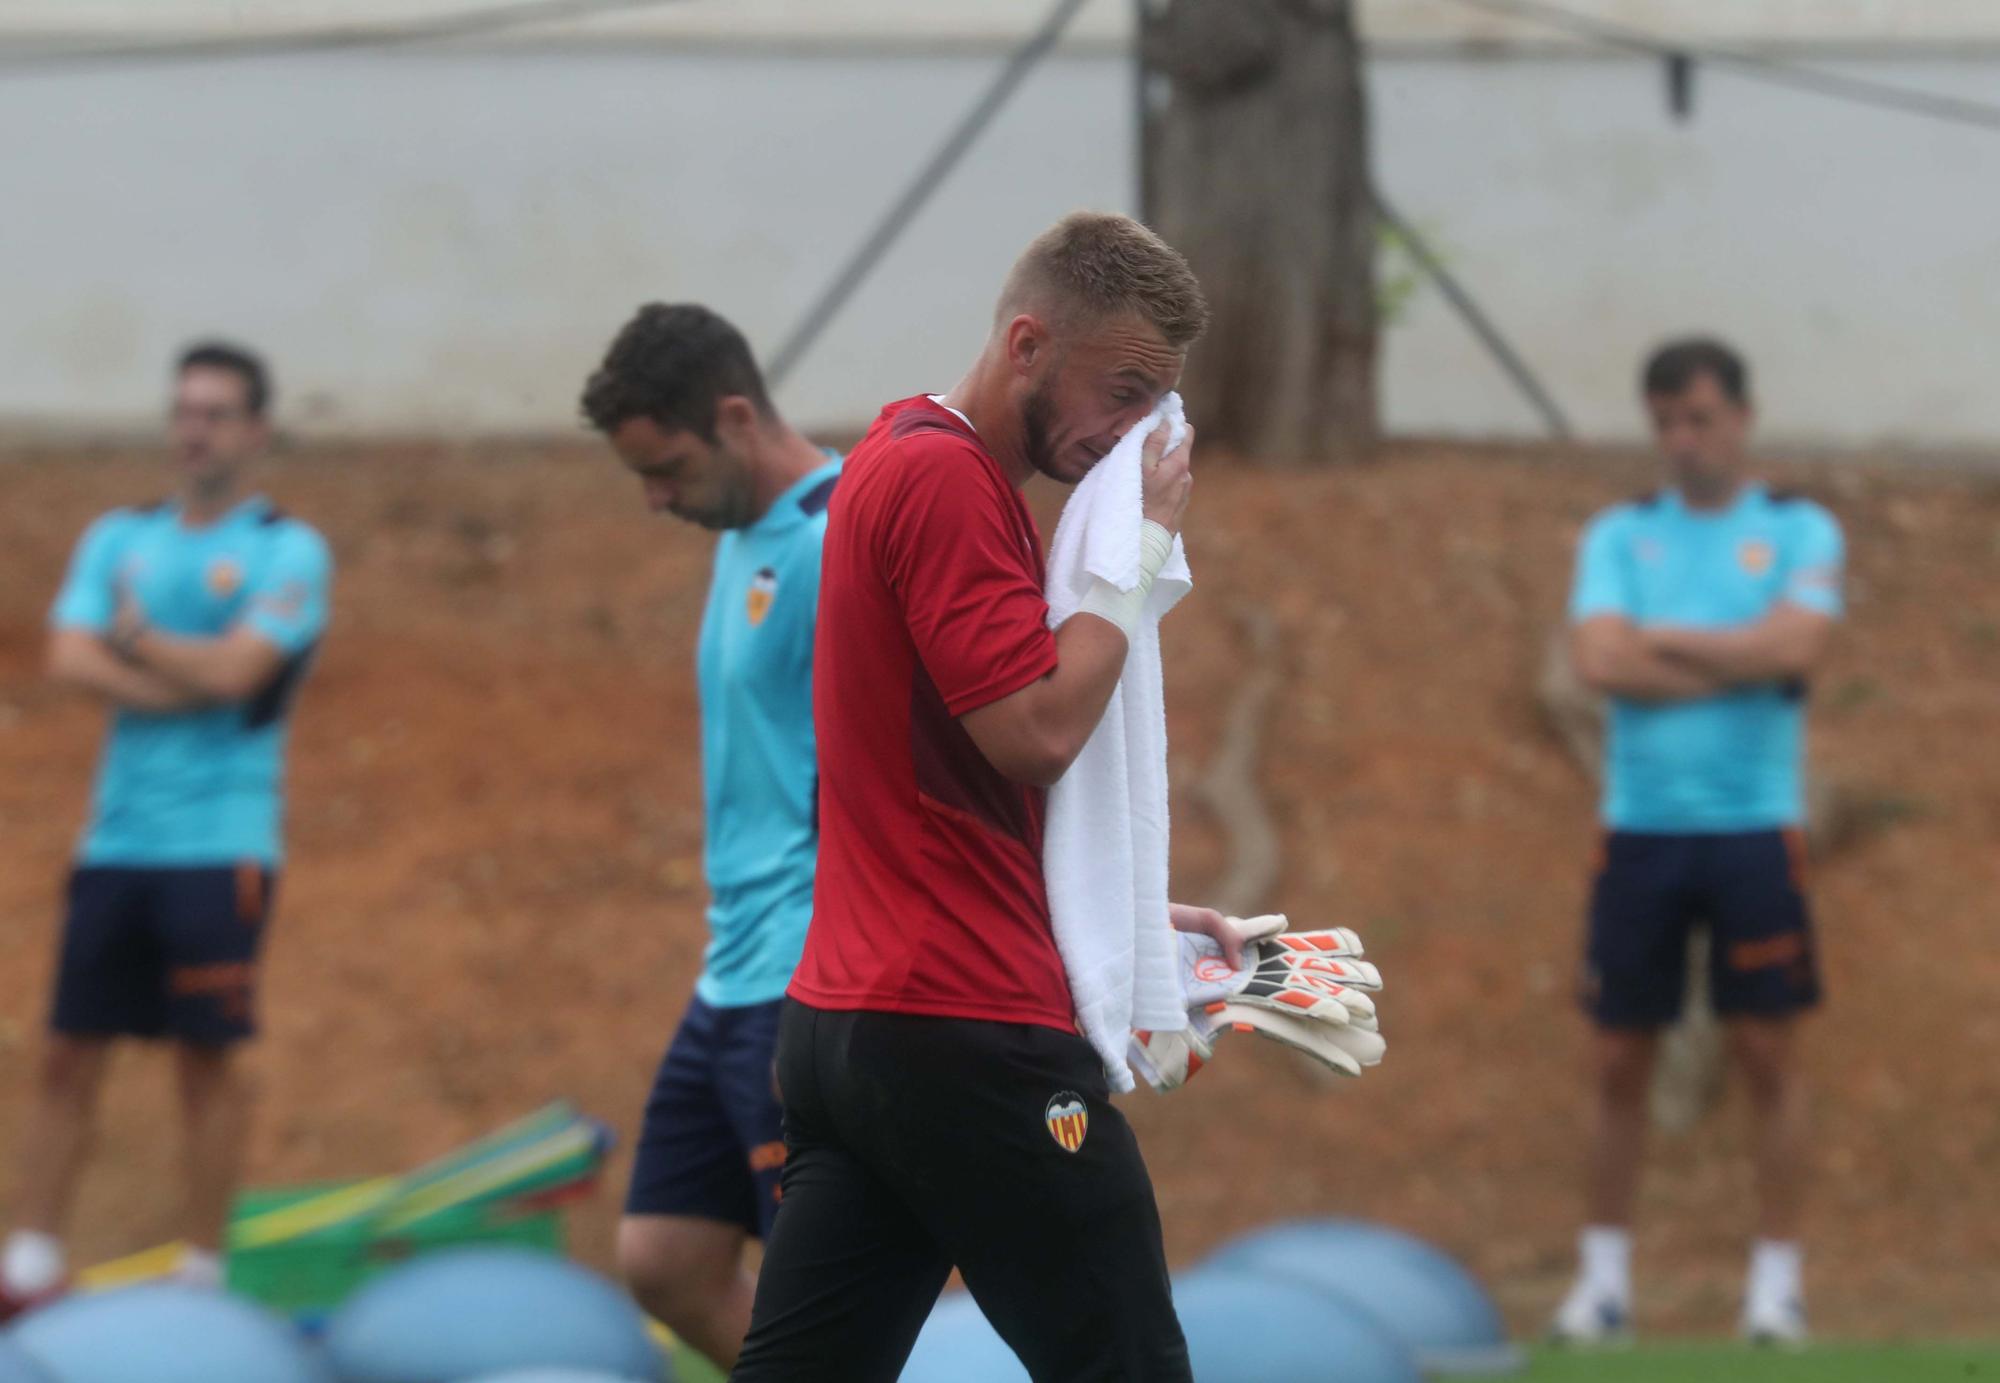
x: 32, y: 1263
x: 1776, y: 1270
x: 198, y: 1268
x: 1605, y: 1253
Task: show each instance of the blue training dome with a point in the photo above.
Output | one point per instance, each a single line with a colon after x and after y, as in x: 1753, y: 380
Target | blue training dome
x: 959, y: 1345
x: 1241, y: 1328
x: 468, y: 1313
x: 1419, y: 1292
x: 17, y: 1366
x: 163, y: 1332
x: 1249, y: 1328
x: 555, y: 1376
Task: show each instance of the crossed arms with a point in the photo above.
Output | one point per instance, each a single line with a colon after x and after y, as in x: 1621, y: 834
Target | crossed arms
x: 1678, y: 663
x: 141, y: 669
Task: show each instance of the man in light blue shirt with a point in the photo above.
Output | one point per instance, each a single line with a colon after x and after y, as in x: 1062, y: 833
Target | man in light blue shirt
x: 196, y: 620
x: 681, y: 401
x: 1700, y: 611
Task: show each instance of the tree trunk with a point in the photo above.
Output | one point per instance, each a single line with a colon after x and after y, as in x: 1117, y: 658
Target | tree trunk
x: 1256, y: 168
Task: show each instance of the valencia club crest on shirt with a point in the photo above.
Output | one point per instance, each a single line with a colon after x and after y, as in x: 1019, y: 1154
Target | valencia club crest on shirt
x: 763, y: 590
x: 1756, y: 555
x: 1068, y: 1120
x: 225, y: 577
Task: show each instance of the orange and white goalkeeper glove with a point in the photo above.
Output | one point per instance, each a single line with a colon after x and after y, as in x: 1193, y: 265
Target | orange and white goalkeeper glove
x: 1307, y: 990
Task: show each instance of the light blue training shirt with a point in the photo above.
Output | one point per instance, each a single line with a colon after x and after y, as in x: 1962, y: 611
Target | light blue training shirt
x: 760, y: 760
x: 202, y: 787
x: 1727, y: 763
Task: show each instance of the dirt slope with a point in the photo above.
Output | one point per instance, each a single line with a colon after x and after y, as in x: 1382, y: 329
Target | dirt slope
x: 495, y: 895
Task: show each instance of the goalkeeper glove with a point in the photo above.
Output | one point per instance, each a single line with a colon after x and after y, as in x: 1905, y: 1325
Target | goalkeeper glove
x: 1307, y: 990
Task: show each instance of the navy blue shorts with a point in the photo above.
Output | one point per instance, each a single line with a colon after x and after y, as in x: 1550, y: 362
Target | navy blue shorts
x: 163, y: 952
x: 1652, y: 890
x: 713, y: 1141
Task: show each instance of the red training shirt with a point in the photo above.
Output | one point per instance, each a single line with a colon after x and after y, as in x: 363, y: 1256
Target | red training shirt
x: 929, y: 897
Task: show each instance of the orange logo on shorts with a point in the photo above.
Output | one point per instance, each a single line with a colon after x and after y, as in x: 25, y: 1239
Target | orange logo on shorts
x: 1068, y: 1120
x: 228, y: 983
x: 1782, y: 949
x: 226, y: 977
x: 767, y: 1157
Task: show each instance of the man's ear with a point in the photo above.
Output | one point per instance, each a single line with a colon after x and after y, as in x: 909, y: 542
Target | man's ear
x: 736, y: 418
x: 1027, y: 343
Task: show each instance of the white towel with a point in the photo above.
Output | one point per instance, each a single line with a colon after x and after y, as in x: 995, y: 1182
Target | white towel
x: 1104, y: 851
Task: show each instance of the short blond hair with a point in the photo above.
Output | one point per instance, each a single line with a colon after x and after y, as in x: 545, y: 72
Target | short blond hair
x: 1092, y: 265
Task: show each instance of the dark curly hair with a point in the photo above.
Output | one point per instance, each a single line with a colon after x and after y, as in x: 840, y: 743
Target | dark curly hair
x: 246, y: 365
x: 673, y: 363
x: 1674, y: 366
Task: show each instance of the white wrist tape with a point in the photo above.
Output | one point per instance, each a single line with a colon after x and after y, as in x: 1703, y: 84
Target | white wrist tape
x: 1126, y: 608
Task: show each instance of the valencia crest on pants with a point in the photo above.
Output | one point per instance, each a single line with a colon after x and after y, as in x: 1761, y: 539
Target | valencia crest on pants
x: 1068, y: 1119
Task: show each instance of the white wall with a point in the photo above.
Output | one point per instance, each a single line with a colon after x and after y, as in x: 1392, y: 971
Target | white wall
x: 436, y: 242
x: 1852, y: 252
x: 429, y: 240
x: 1388, y: 21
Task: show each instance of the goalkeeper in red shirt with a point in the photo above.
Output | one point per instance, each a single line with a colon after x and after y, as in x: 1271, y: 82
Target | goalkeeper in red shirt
x: 941, y: 1109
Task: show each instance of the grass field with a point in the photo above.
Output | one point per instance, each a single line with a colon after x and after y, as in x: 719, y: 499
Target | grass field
x: 690, y: 1367
x: 1698, y: 1364
x: 1734, y: 1364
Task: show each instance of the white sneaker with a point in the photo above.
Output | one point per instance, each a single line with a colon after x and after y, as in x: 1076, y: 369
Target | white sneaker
x: 1591, y: 1316
x: 1776, y: 1321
